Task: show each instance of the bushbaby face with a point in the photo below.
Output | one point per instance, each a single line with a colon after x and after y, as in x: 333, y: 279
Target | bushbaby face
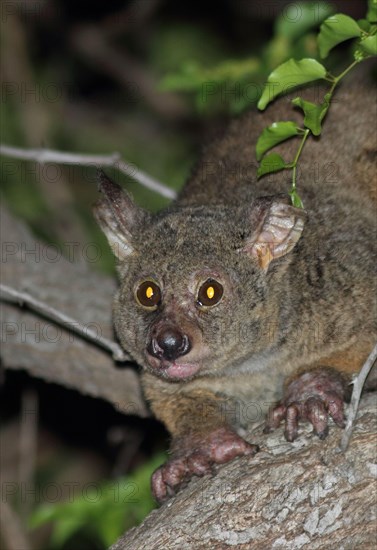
x: 190, y: 278
x: 177, y: 296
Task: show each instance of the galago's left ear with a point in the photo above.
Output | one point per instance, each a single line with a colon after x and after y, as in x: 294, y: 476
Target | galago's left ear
x: 277, y: 226
x: 118, y: 216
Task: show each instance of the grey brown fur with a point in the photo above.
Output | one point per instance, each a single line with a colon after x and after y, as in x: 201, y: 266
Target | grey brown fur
x: 299, y: 288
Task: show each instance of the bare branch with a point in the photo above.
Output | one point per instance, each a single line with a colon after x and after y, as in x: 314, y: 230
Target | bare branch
x: 27, y: 447
x: 48, y: 155
x: 358, y: 385
x: 92, y: 44
x: 22, y: 298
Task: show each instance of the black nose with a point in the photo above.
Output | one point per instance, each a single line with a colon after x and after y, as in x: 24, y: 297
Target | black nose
x: 169, y: 344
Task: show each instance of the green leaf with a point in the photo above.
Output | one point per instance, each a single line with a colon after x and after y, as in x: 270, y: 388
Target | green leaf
x: 274, y: 134
x: 298, y: 17
x: 63, y: 530
x: 289, y: 75
x: 372, y: 11
x: 314, y: 114
x: 270, y: 163
x: 123, y: 503
x: 334, y: 30
x: 364, y: 25
x: 43, y: 514
x: 369, y: 45
x: 295, y: 198
x: 193, y: 76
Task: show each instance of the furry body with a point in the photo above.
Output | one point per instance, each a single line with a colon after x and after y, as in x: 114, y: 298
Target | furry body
x: 298, y: 288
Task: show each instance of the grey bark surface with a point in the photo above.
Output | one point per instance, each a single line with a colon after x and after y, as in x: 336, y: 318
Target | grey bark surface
x: 289, y: 496
x: 45, y: 349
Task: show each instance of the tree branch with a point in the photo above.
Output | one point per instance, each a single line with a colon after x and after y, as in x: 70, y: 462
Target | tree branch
x: 358, y: 385
x: 13, y: 534
x: 23, y: 298
x: 289, y: 495
x: 114, y: 160
x: 92, y: 44
x: 47, y: 350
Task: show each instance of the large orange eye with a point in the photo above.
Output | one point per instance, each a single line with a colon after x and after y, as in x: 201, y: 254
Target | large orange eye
x: 148, y: 294
x: 210, y: 293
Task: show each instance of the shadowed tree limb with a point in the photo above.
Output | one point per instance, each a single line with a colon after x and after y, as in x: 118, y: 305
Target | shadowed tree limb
x: 23, y: 299
x: 47, y: 350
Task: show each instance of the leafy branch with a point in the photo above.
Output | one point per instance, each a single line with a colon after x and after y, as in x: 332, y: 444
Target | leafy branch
x: 291, y: 74
x: 231, y: 85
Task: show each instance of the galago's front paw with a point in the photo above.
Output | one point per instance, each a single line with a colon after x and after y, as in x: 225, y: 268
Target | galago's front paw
x: 313, y: 396
x: 197, y: 457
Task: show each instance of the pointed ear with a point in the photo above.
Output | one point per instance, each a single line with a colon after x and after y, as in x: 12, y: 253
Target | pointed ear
x: 278, y: 228
x: 118, y: 216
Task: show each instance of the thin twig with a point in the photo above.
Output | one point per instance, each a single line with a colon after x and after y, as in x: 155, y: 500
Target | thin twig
x: 114, y: 160
x: 22, y: 298
x: 92, y: 44
x: 358, y: 384
x: 28, y: 445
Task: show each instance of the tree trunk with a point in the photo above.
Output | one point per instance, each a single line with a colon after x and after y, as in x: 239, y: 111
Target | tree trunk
x: 290, y: 496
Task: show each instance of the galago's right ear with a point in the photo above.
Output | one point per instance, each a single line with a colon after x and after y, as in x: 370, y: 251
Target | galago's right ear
x: 118, y: 216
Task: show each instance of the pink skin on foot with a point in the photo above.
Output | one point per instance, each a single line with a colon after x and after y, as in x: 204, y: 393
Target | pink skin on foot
x: 197, y: 457
x: 314, y: 396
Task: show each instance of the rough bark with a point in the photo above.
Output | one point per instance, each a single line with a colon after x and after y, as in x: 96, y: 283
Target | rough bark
x: 46, y: 350
x: 290, y: 496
